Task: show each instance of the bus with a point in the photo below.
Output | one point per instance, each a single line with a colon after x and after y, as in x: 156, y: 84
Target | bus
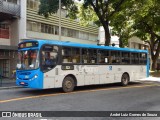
x: 44, y: 64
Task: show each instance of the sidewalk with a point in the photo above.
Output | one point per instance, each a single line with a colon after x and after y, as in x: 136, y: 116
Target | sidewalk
x: 7, y: 83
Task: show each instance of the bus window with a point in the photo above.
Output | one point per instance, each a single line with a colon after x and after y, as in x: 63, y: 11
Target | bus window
x: 66, y: 55
x: 75, y: 55
x: 134, y: 58
x: 143, y: 58
x: 85, y: 56
x: 70, y: 55
x: 125, y: 58
x: 115, y: 57
x: 89, y: 56
x: 103, y: 56
x: 92, y: 56
x: 28, y: 60
x: 49, y: 57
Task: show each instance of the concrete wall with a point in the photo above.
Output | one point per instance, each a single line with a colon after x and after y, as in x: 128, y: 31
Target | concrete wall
x: 4, y: 41
x: 134, y: 42
x: 23, y: 20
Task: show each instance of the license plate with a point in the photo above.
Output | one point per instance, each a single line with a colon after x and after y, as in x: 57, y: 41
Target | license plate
x: 22, y: 83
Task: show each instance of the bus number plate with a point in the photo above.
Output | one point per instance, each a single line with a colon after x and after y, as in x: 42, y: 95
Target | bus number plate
x: 22, y: 83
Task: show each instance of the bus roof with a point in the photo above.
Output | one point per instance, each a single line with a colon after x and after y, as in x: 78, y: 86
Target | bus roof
x: 73, y: 44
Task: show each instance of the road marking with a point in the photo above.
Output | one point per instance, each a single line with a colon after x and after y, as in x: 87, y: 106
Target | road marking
x: 82, y: 91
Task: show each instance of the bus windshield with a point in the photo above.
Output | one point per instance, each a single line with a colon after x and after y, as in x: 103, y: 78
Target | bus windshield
x: 28, y: 60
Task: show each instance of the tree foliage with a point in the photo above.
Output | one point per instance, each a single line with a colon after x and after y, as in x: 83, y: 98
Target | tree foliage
x: 48, y: 7
x: 146, y: 16
x: 104, y: 9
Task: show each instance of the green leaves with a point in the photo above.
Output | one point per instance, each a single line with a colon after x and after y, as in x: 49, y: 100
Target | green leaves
x: 48, y: 7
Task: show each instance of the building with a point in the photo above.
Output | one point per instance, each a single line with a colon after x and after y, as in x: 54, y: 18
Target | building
x: 137, y: 43
x: 101, y: 37
x: 19, y: 20
x: 9, y: 19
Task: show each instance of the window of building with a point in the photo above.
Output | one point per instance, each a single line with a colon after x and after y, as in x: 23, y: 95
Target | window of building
x: 51, y: 29
x: 4, y: 31
x: 56, y: 32
x: 83, y: 35
x: 45, y: 28
x: 12, y: 1
x: 70, y: 33
x: 93, y: 37
x: 33, y: 4
x: 64, y: 31
x: 33, y: 26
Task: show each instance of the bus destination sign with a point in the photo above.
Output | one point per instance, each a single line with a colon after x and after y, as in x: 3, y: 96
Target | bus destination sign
x: 27, y: 45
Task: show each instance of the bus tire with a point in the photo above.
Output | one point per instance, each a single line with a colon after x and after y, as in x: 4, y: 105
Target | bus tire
x: 125, y: 79
x: 68, y: 84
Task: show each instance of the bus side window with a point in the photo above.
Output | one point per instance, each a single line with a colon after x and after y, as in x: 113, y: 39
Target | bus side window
x: 143, y: 58
x: 115, y: 56
x: 134, y: 58
x: 66, y: 55
x: 103, y: 56
x: 85, y: 55
x: 70, y: 55
x: 125, y: 58
x: 92, y: 56
x: 75, y: 55
x: 49, y: 57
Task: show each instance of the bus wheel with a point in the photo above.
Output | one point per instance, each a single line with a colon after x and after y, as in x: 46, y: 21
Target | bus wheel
x: 68, y: 84
x: 125, y: 79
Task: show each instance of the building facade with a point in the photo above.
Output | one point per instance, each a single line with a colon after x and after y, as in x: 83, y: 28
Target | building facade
x: 19, y: 20
x: 137, y: 43
x: 9, y: 19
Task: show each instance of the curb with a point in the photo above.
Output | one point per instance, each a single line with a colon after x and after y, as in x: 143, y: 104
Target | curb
x: 10, y: 87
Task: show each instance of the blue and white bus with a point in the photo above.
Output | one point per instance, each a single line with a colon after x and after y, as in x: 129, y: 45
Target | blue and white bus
x: 46, y: 64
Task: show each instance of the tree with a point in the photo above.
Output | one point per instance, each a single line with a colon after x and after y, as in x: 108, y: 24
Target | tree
x: 141, y: 19
x: 146, y: 16
x: 104, y: 9
x: 122, y: 27
x: 48, y: 7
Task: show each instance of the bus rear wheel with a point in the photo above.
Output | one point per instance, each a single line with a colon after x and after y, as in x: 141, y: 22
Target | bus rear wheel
x: 68, y: 84
x: 125, y: 79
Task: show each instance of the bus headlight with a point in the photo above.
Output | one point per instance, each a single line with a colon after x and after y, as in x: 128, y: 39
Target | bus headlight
x: 35, y: 76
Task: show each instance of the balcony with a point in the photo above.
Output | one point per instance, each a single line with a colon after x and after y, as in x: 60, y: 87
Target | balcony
x: 8, y: 10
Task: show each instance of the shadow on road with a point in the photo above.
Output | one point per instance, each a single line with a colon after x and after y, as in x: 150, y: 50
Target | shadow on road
x: 77, y: 89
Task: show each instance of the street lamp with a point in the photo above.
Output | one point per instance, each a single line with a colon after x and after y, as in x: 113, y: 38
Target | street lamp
x: 60, y: 20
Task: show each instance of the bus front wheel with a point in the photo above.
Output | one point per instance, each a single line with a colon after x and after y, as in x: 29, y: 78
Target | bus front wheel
x: 125, y: 79
x: 68, y: 84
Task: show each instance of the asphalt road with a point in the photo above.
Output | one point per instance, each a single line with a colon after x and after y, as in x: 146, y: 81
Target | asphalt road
x: 111, y: 97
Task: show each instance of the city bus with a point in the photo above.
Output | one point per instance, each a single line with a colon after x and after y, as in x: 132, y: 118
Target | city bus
x: 44, y: 64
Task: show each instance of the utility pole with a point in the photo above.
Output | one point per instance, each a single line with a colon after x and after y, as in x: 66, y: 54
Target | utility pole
x: 60, y: 20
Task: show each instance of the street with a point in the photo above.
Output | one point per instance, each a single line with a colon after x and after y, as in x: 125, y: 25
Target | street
x: 142, y: 96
